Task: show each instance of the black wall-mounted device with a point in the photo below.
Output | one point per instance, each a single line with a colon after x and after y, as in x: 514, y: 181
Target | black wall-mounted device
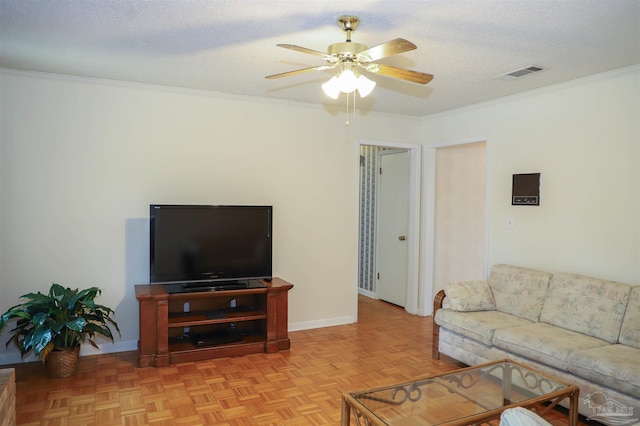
x: 526, y: 189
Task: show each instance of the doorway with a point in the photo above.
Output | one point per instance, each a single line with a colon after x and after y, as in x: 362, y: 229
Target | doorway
x: 367, y: 152
x: 455, y: 215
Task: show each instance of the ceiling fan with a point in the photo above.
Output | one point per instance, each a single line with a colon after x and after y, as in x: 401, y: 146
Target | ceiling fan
x: 349, y: 57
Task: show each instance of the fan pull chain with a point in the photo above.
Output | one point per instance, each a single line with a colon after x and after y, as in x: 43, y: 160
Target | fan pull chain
x: 348, y: 123
x: 354, y: 105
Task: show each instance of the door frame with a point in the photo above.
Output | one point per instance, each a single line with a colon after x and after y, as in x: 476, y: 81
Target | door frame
x: 428, y: 218
x: 413, y: 252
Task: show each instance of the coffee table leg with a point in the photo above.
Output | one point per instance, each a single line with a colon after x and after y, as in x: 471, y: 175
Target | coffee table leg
x: 346, y: 412
x: 507, y: 385
x: 573, y: 407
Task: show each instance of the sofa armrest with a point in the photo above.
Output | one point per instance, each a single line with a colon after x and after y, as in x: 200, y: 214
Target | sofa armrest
x: 437, y: 304
x: 438, y: 300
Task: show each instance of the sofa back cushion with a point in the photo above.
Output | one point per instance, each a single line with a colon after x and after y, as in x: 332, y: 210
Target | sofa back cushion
x: 519, y: 291
x: 630, y: 331
x: 586, y: 305
x: 468, y: 296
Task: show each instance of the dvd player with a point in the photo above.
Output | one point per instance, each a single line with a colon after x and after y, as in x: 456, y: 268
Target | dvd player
x: 217, y: 337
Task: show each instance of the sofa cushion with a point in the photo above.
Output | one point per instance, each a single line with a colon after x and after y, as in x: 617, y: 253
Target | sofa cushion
x: 467, y: 350
x: 519, y: 291
x: 519, y: 416
x: 468, y: 296
x: 479, y: 325
x: 630, y: 331
x: 545, y: 343
x: 613, y: 366
x: 587, y: 305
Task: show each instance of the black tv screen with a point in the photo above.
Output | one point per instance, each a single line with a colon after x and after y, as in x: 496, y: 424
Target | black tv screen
x: 195, y: 243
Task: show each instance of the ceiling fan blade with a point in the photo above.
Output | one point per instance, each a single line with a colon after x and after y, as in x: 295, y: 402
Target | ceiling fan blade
x: 300, y: 71
x: 404, y: 74
x: 323, y: 55
x: 389, y: 48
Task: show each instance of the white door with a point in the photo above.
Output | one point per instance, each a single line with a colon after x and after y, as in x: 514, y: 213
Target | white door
x: 392, y: 224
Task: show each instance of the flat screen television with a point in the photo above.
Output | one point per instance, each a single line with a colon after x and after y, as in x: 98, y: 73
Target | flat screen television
x: 200, y: 245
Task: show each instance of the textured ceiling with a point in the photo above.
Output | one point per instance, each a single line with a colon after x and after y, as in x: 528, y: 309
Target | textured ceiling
x: 230, y: 46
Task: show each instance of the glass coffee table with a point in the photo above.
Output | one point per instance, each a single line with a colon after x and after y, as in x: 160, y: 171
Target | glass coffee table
x: 472, y: 395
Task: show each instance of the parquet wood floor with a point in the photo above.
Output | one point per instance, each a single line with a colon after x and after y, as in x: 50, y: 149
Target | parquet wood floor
x: 302, y: 386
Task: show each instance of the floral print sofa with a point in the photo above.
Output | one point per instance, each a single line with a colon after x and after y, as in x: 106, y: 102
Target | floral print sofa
x: 580, y: 329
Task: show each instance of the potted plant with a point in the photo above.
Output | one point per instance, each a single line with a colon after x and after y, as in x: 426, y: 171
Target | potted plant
x: 54, y: 325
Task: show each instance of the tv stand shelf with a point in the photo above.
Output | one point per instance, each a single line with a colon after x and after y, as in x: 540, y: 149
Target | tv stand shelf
x: 256, y: 317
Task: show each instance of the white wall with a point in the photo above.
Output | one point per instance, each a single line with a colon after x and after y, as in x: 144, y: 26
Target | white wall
x: 82, y: 159
x: 584, y: 139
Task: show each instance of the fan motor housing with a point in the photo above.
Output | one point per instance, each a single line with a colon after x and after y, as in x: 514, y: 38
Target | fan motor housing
x: 346, y: 48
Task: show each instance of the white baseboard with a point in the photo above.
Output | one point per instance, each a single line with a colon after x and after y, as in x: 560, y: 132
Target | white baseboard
x: 308, y: 325
x: 132, y: 345
x: 14, y: 358
x: 367, y: 293
x: 129, y: 345
x: 106, y: 348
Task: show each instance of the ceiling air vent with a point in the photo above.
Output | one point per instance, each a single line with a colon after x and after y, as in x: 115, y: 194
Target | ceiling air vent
x: 519, y: 73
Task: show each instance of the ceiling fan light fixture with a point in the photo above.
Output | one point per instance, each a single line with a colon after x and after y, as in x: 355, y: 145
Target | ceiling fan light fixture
x: 347, y: 57
x: 347, y: 82
x: 331, y: 88
x: 365, y: 86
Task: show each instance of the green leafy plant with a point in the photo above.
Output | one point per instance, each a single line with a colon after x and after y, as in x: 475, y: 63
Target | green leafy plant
x: 63, y: 318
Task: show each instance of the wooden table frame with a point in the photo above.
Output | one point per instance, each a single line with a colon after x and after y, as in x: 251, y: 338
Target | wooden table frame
x: 363, y: 415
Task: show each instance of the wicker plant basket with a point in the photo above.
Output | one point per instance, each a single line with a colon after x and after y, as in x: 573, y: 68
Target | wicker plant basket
x: 62, y: 362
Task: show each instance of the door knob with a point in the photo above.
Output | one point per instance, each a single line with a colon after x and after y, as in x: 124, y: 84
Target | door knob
x: 402, y: 237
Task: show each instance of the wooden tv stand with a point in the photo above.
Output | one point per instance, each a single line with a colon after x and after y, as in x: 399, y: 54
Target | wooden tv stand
x: 258, y: 315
